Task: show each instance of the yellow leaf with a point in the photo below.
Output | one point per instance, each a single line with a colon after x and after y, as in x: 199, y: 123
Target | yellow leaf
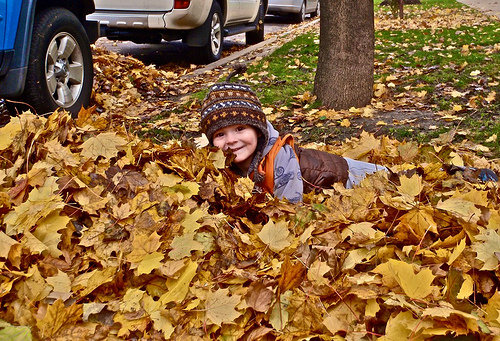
x: 92, y: 308
x: 460, y: 208
x: 150, y: 262
x: 467, y: 287
x: 487, y: 245
x: 41, y: 202
x: 493, y: 309
x: 90, y: 281
x: 178, y: 288
x: 372, y: 307
x: 47, y: 231
x: 104, y: 144
x: 58, y: 316
x: 201, y: 141
x: 61, y: 284
x: 142, y: 246
x: 417, y: 286
x: 218, y: 159
x: 492, y: 138
x: 5, y: 244
x: 403, y: 327
x: 457, y: 252
x: 419, y: 220
x: 410, y: 186
x: 491, y: 97
x: 275, y: 235
x: 131, y: 301
x: 457, y: 108
x: 190, y: 221
x: 221, y: 307
x: 183, y: 245
x: 345, y: 123
x: 244, y: 187
x: 316, y: 272
x: 61, y: 154
x: 9, y: 131
x: 475, y: 73
x: 456, y: 94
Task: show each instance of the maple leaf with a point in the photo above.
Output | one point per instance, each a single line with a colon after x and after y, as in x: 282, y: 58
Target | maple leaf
x: 275, y: 235
x: 41, y: 202
x: 220, y: 307
x: 56, y: 317
x: 105, y: 144
x: 259, y: 297
x: 61, y: 154
x: 6, y: 243
x: 183, y: 245
x: 14, y: 333
x: 487, y: 244
x: 178, y: 288
x: 416, y: 286
x: 61, y: 284
x: 419, y: 221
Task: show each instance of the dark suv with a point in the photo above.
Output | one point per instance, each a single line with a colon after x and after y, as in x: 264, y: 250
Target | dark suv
x: 45, y: 55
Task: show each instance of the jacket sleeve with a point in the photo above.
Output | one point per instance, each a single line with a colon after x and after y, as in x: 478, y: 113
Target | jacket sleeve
x: 287, y: 177
x: 359, y: 169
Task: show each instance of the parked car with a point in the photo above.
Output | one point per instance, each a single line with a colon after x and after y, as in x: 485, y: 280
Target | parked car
x: 45, y: 56
x: 201, y: 24
x: 296, y: 8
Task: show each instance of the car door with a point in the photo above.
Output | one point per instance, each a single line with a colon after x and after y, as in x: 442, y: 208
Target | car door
x: 248, y: 9
x: 135, y: 5
x: 3, y: 18
x: 233, y: 11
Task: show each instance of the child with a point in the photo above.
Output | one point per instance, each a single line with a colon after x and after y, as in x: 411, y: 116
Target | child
x: 232, y: 119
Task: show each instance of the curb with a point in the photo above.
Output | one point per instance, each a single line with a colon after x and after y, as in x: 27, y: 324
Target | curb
x: 248, y: 50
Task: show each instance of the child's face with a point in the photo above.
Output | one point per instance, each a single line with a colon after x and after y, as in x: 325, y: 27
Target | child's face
x: 241, y: 139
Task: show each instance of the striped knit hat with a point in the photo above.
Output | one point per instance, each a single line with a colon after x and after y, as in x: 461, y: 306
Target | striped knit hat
x: 228, y: 104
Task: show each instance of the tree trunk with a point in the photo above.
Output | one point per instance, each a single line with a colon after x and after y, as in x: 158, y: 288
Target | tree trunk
x: 344, y: 77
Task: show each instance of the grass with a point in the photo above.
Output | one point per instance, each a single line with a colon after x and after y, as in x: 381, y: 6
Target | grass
x: 455, y: 70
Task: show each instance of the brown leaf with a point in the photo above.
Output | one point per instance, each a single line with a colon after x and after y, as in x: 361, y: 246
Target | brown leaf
x: 259, y: 297
x: 292, y: 275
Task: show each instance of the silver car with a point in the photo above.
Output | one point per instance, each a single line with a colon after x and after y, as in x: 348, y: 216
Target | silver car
x: 297, y: 8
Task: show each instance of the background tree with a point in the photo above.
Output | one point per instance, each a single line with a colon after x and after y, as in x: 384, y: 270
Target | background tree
x: 344, y: 77
x: 397, y: 6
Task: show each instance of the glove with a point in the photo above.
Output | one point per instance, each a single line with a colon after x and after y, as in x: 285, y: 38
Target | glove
x: 487, y: 175
x: 472, y: 173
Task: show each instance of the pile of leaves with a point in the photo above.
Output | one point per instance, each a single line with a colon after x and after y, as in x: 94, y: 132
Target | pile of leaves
x: 106, y: 236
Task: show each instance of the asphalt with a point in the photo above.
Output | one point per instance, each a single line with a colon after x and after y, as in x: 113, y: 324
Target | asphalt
x: 490, y: 7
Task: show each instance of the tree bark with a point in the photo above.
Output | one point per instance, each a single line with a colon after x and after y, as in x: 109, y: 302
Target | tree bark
x: 344, y: 76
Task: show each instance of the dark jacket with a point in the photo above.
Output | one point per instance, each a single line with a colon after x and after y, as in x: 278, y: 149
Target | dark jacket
x: 321, y: 169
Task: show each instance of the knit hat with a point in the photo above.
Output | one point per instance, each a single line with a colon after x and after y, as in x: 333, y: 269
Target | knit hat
x: 228, y: 104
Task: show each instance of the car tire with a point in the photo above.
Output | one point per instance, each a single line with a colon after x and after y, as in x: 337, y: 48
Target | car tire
x: 301, y: 15
x: 212, y: 50
x: 60, y: 70
x: 316, y: 11
x: 255, y: 37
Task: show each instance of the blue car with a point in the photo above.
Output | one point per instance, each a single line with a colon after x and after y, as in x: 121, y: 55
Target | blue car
x: 45, y: 55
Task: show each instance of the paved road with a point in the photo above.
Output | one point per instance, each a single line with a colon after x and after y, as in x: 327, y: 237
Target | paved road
x: 491, y: 7
x: 176, y: 52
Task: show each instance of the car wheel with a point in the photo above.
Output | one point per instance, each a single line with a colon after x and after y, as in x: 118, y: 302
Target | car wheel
x: 316, y: 11
x: 254, y: 37
x: 60, y: 70
x: 212, y: 50
x: 301, y: 16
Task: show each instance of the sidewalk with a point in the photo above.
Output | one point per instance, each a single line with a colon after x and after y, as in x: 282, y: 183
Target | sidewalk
x: 490, y: 7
